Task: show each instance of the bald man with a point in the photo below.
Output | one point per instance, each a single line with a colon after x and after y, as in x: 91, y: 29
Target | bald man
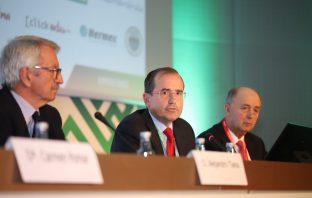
x: 242, y: 109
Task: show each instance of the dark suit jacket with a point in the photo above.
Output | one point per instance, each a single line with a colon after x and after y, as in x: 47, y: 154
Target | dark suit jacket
x: 12, y: 122
x: 254, y: 144
x: 127, y: 135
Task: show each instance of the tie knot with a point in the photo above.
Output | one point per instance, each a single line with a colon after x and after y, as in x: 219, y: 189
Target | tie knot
x: 240, y: 143
x: 35, y: 115
x: 169, y: 134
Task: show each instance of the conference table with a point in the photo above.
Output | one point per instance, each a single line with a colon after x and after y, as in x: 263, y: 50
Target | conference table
x: 130, y: 175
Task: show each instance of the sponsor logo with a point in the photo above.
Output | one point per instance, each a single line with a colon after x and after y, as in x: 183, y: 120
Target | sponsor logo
x: 134, y: 41
x: 128, y: 4
x: 83, y: 31
x: 80, y: 1
x: 97, y: 35
x: 37, y: 23
x: 5, y: 16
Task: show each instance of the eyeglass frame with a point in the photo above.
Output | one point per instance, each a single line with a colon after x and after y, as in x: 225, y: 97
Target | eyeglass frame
x: 52, y: 70
x: 176, y: 93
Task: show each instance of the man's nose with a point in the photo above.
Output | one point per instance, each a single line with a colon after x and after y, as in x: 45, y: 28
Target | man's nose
x: 172, y: 97
x: 250, y: 114
x: 59, y: 79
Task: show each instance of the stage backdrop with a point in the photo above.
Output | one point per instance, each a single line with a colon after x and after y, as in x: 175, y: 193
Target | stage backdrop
x: 80, y: 125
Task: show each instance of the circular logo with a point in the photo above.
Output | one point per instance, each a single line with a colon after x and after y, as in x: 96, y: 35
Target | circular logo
x: 83, y: 30
x: 134, y: 41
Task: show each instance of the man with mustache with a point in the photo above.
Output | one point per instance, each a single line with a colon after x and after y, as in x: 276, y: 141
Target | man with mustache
x: 30, y: 77
x: 242, y: 109
x: 163, y: 97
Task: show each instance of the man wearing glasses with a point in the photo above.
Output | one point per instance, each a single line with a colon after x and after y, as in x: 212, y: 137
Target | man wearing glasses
x: 163, y: 97
x: 30, y: 77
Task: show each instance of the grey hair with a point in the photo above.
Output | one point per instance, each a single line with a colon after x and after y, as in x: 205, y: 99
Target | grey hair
x: 231, y: 94
x: 22, y: 51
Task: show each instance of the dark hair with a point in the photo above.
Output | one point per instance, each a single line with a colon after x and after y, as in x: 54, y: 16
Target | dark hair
x: 149, y: 82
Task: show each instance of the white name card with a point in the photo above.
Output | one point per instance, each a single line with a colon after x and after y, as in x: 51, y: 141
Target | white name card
x: 53, y: 161
x: 219, y: 168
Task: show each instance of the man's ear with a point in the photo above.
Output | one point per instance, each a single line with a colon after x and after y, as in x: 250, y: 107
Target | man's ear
x: 146, y: 99
x: 25, y: 76
x: 227, y: 107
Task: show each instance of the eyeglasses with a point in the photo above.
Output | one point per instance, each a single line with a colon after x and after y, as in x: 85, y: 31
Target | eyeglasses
x: 54, y: 71
x: 165, y: 93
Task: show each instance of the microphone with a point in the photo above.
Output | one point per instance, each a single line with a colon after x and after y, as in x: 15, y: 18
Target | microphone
x: 99, y: 116
x: 215, y: 143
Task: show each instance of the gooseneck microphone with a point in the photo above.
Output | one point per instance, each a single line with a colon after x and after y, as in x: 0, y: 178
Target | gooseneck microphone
x: 215, y: 143
x: 99, y: 116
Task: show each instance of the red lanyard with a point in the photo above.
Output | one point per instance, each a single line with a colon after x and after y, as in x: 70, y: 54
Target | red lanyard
x: 227, y: 131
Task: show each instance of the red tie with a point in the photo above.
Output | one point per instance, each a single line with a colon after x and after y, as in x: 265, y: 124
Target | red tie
x: 170, y: 142
x: 242, y: 149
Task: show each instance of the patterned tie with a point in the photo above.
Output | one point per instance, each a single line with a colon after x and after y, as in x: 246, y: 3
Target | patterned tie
x: 242, y: 149
x: 170, y: 142
x: 35, y: 117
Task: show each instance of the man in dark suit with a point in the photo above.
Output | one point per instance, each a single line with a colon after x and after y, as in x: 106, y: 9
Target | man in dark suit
x: 163, y: 97
x: 30, y: 77
x: 242, y: 109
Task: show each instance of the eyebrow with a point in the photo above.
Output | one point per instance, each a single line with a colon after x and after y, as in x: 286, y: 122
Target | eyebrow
x: 166, y: 89
x: 258, y: 107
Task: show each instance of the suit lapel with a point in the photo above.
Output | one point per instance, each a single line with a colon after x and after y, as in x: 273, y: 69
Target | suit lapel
x: 155, y: 140
x: 180, y: 140
x: 220, y: 134
x: 249, y: 146
x: 19, y: 123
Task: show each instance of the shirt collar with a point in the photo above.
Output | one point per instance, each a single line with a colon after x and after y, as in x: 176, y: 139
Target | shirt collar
x: 235, y: 138
x: 159, y: 125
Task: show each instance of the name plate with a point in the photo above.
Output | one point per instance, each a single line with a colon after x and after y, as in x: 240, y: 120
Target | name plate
x: 53, y: 161
x: 219, y: 168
